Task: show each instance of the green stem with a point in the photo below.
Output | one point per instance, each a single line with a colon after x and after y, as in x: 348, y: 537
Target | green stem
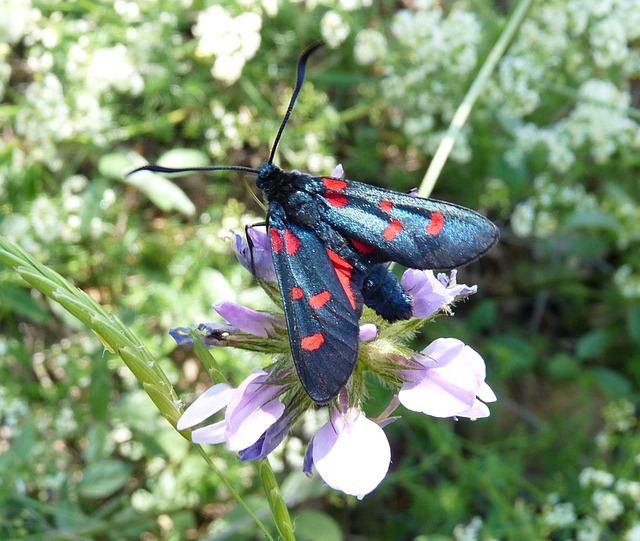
x: 464, y: 109
x: 276, y: 501
x: 117, y: 338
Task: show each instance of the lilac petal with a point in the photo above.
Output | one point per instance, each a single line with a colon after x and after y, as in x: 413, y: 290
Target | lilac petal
x: 257, y: 260
x: 248, y: 320
x: 211, y: 434
x: 272, y: 437
x: 307, y: 464
x: 253, y: 408
x: 477, y: 411
x: 351, y: 453
x: 430, y: 293
x: 486, y: 394
x: 457, y: 290
x: 338, y: 172
x: 211, y: 401
x: 446, y: 280
x: 214, y: 334
x: 368, y: 331
x: 447, y: 385
x: 182, y: 336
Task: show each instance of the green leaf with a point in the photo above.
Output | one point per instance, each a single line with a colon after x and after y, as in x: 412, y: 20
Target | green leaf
x: 592, y: 344
x: 103, y: 478
x: 18, y: 300
x: 117, y: 164
x: 633, y: 323
x: 592, y: 220
x: 511, y: 354
x: 183, y: 157
x: 161, y: 191
x: 312, y: 525
x: 611, y: 382
x: 563, y: 367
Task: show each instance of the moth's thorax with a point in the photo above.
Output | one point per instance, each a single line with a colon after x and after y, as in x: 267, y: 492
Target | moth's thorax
x: 279, y: 185
x: 294, y: 191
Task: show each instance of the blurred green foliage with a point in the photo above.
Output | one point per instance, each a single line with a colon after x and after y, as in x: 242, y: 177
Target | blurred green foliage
x: 92, y: 89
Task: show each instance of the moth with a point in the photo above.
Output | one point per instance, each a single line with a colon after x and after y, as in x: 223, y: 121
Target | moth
x: 331, y: 240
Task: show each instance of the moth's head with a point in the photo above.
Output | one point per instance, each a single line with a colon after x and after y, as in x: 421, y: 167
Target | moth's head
x: 267, y: 174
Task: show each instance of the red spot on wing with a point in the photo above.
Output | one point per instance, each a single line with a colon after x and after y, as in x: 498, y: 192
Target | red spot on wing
x: 296, y: 293
x: 386, y: 206
x: 312, y: 342
x: 343, y: 269
x: 436, y: 224
x: 334, y: 184
x: 361, y: 247
x: 336, y: 199
x: 319, y: 300
x: 392, y: 230
x: 276, y: 240
x: 291, y: 242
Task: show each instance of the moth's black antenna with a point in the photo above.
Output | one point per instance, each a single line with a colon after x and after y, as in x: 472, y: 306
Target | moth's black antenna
x: 302, y: 64
x: 170, y: 170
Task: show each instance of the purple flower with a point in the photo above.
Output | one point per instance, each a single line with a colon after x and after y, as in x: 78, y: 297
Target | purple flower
x: 430, y: 294
x: 251, y: 409
x: 272, y: 437
x: 244, y: 325
x: 261, y: 265
x: 247, y: 320
x: 207, y: 404
x: 351, y: 453
x: 447, y: 381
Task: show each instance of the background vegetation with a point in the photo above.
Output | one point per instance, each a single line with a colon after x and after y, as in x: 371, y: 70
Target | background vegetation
x: 550, y: 153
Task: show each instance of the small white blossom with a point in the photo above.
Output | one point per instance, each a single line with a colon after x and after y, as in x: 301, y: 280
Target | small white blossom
x: 16, y: 20
x: 598, y: 478
x: 334, y: 28
x: 589, y: 530
x: 232, y: 40
x: 468, y: 532
x: 608, y: 505
x: 370, y: 46
x: 112, y: 68
x: 559, y: 514
x: 628, y: 488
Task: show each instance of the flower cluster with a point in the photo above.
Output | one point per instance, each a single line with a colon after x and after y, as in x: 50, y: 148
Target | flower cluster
x: 438, y: 49
x: 351, y: 451
x: 232, y: 40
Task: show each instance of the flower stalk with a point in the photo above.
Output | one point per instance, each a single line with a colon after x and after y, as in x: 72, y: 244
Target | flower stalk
x: 117, y: 338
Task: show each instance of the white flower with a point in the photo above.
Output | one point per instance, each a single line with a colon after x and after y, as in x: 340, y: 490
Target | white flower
x: 111, y: 67
x: 608, y: 505
x: 609, y: 42
x: 370, y: 46
x: 15, y: 18
x: 232, y: 40
x: 351, y: 453
x: 447, y: 381
x: 334, y: 29
x: 599, y: 478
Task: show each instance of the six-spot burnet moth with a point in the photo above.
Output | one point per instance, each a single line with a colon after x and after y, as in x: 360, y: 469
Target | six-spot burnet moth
x: 331, y: 240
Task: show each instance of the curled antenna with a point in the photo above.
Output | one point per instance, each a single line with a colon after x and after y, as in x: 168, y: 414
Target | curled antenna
x: 170, y: 170
x: 302, y: 64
